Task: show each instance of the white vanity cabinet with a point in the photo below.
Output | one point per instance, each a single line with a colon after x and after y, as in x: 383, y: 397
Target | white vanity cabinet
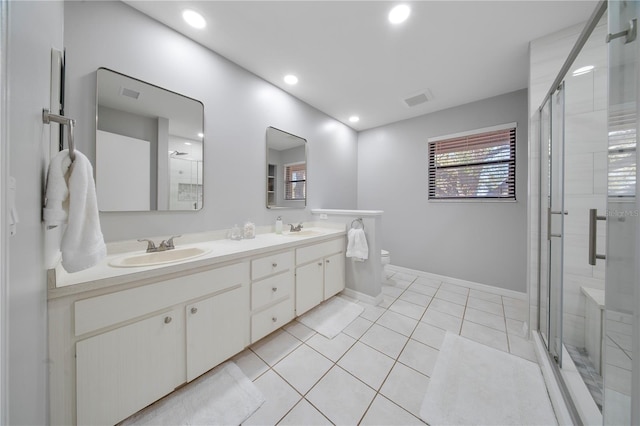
x: 319, y: 273
x: 122, y: 371
x: 272, y: 293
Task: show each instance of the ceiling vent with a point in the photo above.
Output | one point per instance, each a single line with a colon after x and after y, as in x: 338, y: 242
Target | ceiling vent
x: 418, y: 99
x: 130, y: 93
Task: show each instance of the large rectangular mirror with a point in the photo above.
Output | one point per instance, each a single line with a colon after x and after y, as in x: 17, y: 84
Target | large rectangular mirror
x: 149, y: 146
x: 286, y: 170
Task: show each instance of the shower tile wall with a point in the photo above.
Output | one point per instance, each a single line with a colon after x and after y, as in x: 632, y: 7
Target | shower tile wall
x: 585, y: 179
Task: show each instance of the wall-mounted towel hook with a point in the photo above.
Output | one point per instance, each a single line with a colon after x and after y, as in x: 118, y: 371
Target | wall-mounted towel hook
x: 356, y: 221
x: 48, y: 117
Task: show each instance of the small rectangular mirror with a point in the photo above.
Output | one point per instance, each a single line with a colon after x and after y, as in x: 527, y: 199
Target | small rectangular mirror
x: 149, y: 146
x: 286, y: 170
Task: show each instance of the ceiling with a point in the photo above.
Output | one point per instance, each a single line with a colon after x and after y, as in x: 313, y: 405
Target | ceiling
x: 350, y: 60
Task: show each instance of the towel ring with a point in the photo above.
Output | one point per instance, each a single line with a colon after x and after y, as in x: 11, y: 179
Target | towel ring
x: 356, y: 222
x: 48, y: 117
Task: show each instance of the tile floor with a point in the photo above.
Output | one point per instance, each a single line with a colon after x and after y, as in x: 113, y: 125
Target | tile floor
x: 377, y: 370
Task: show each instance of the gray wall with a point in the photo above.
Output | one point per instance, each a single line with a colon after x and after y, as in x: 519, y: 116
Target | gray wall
x: 483, y: 242
x: 35, y: 27
x: 238, y: 108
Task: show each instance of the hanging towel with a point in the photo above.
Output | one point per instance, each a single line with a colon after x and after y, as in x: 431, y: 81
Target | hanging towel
x: 357, y: 247
x: 71, y: 200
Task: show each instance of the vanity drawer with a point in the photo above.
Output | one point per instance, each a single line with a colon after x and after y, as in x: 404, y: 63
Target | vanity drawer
x: 110, y: 309
x: 317, y: 251
x: 271, y: 319
x: 270, y: 265
x: 271, y: 289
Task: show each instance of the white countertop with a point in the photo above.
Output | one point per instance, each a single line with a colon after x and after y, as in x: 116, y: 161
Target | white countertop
x: 220, y: 250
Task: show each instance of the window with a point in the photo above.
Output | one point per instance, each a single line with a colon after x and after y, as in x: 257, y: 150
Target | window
x: 476, y: 165
x: 622, y: 153
x: 295, y: 181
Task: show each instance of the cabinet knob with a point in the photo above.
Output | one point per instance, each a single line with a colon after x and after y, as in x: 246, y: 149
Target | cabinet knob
x: 274, y: 264
x: 319, y: 263
x: 274, y: 289
x: 194, y: 310
x: 327, y: 260
x: 274, y: 319
x: 167, y: 320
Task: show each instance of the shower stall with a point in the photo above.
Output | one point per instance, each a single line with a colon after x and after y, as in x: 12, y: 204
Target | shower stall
x: 587, y: 290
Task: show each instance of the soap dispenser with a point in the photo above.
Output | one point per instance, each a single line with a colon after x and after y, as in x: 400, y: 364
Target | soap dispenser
x: 279, y: 225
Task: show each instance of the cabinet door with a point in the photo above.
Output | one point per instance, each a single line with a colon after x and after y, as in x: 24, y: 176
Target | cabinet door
x: 217, y: 328
x: 309, y: 286
x: 334, y: 280
x: 124, y: 370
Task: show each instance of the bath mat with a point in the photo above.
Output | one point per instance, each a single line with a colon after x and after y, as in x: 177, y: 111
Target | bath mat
x: 331, y: 316
x: 475, y: 384
x: 224, y: 396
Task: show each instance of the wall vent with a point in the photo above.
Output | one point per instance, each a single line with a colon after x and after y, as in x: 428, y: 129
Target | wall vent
x: 418, y: 99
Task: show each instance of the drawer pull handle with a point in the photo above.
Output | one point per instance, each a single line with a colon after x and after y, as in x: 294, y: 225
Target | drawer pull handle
x: 167, y: 320
x: 274, y: 289
x: 274, y: 264
x: 194, y: 310
x: 274, y: 319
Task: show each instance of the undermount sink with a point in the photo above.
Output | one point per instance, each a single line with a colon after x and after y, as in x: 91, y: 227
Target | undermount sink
x: 158, y: 257
x: 305, y: 233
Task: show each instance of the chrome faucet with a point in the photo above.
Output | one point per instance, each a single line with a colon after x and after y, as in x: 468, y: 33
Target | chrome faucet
x: 164, y: 245
x: 295, y: 228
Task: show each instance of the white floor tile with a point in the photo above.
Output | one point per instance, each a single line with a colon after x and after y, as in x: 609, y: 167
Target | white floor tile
x: 386, y: 301
x: 331, y: 348
x: 447, y: 307
x: 429, y: 335
x: 275, y: 346
x: 516, y: 328
x: 279, y: 396
x: 357, y: 328
x: 431, y: 282
x: 397, y: 322
x: 421, y: 288
x: 451, y: 296
x: 522, y: 348
x: 485, y: 335
x: 485, y: 305
x: 454, y: 288
x: 392, y: 291
x: 302, y: 368
x: 304, y: 414
x: 416, y: 298
x: 444, y: 321
x: 385, y: 340
x: 408, y: 309
x: 371, y: 312
x: 406, y: 387
x: 419, y: 357
x: 342, y: 398
x: 516, y: 313
x: 490, y: 297
x: 250, y: 364
x: 299, y: 330
x: 367, y: 364
x: 383, y: 412
x: 485, y: 318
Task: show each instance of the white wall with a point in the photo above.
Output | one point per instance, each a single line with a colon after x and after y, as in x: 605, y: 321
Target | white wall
x: 34, y: 28
x: 483, y: 242
x: 238, y: 108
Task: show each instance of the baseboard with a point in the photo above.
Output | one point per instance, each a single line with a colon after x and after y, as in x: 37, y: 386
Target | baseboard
x: 476, y: 286
x: 362, y: 297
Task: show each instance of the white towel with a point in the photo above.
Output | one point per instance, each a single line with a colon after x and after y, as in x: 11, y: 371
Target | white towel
x: 71, y: 199
x: 357, y: 247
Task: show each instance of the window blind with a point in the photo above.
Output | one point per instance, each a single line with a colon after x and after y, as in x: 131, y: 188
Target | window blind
x: 295, y: 179
x: 622, y: 153
x: 475, y: 166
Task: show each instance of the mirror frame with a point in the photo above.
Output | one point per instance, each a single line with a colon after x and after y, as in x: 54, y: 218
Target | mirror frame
x: 155, y: 170
x: 272, y: 182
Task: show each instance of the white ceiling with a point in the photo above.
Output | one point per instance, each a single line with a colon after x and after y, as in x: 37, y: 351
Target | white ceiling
x: 351, y: 61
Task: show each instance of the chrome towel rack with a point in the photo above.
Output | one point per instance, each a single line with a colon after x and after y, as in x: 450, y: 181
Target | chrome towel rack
x: 48, y: 117
x: 356, y: 221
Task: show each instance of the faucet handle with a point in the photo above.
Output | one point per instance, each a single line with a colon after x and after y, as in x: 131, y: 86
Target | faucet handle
x: 151, y: 246
x: 169, y: 243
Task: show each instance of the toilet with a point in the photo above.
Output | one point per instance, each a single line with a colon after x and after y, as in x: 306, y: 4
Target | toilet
x: 385, y: 259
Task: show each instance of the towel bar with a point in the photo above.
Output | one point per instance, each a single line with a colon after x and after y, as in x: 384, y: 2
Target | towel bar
x: 48, y: 117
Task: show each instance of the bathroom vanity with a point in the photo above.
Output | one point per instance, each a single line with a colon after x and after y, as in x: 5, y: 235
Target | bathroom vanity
x: 122, y: 338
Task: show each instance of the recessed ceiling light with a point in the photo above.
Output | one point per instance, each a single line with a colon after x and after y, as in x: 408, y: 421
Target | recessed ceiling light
x: 354, y: 119
x: 194, y: 19
x: 399, y: 14
x: 583, y: 70
x: 290, y: 79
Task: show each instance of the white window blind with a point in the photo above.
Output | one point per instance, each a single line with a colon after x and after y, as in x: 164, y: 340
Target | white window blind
x: 622, y: 153
x: 295, y: 181
x: 474, y: 166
